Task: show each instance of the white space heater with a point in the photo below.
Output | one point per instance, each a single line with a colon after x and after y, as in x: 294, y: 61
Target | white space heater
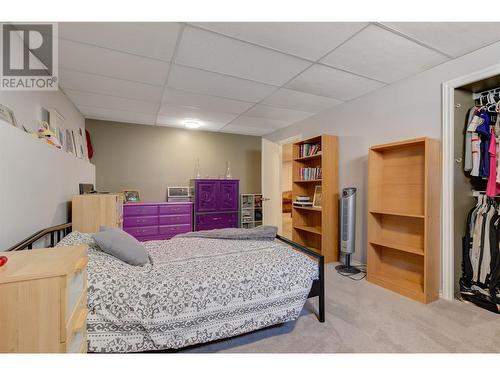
x: 348, y: 230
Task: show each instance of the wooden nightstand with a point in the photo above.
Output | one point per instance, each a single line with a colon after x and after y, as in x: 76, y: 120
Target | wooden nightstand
x: 43, y: 301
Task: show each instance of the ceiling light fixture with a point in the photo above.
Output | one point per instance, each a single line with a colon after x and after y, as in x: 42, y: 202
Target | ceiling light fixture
x: 192, y: 124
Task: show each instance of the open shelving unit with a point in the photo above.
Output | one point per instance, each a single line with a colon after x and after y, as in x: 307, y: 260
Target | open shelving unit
x: 403, y: 220
x: 317, y: 227
x: 250, y: 210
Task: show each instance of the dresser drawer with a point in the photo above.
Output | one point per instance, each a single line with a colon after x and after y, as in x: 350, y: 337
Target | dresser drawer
x: 172, y: 230
x: 216, y: 221
x: 142, y: 231
x: 140, y: 221
x: 140, y: 210
x: 175, y: 219
x: 173, y: 209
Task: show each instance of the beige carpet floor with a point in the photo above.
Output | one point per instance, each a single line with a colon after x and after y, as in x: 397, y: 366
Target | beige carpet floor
x: 362, y: 317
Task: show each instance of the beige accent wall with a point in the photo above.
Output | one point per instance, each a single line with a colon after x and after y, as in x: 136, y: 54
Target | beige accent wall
x: 150, y: 158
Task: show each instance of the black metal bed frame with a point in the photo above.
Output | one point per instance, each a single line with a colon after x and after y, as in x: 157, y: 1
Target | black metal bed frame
x: 317, y: 289
x: 56, y: 234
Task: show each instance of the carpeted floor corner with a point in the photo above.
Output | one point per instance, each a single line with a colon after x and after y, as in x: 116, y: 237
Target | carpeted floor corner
x: 364, y: 318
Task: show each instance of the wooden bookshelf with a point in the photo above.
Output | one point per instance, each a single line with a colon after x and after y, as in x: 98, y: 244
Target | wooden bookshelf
x: 317, y: 227
x: 404, y: 187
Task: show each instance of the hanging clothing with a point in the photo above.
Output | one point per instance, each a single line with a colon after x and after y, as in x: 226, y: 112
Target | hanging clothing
x: 492, y: 188
x: 468, y: 141
x: 497, y: 141
x: 480, y: 281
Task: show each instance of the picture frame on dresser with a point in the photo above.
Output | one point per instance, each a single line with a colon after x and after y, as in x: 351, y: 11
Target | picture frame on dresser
x: 130, y: 195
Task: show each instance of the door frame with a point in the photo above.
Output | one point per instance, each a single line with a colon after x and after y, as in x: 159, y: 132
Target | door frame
x: 448, y: 189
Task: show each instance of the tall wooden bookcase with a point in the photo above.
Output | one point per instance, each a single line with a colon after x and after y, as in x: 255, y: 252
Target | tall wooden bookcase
x: 404, y: 187
x: 317, y: 227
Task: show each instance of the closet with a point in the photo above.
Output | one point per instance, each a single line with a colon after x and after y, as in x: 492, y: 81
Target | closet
x: 477, y: 193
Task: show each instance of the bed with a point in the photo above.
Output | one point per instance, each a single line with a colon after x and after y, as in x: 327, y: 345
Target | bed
x: 193, y: 291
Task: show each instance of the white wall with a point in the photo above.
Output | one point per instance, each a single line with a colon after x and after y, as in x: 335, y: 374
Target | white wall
x: 407, y: 109
x: 37, y: 180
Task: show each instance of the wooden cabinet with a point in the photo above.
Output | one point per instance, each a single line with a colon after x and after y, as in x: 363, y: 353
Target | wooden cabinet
x: 90, y: 211
x: 228, y: 200
x: 157, y: 221
x: 404, y: 185
x: 215, y: 203
x: 43, y: 294
x: 316, y: 227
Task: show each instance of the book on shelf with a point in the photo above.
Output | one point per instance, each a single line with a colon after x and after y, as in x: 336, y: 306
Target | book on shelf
x: 307, y: 174
x: 309, y: 149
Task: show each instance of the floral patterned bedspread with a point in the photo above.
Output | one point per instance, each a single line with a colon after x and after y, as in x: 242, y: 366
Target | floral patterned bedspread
x: 194, y: 290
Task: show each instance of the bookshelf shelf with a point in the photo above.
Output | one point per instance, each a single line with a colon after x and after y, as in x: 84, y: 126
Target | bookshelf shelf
x: 396, y: 246
x: 315, y: 230
x: 307, y: 208
x: 316, y: 227
x: 403, y: 220
x: 310, y: 157
x: 397, y: 214
x: 303, y: 181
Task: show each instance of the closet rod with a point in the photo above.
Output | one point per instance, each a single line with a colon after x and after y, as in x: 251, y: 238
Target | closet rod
x: 478, y: 95
x: 477, y: 193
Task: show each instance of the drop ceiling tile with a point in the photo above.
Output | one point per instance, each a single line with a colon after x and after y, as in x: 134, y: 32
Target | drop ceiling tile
x: 300, y: 101
x: 205, y: 102
x: 245, y: 130
x: 452, y: 38
x: 117, y: 115
x: 151, y: 39
x: 174, y: 115
x: 278, y: 114
x: 111, y: 102
x: 73, y: 80
x: 217, y: 53
x: 310, y: 40
x: 383, y: 55
x: 208, y: 83
x: 259, y: 122
x: 324, y: 81
x: 102, y: 61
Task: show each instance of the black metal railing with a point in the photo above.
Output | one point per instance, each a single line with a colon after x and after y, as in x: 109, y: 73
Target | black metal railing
x: 56, y: 233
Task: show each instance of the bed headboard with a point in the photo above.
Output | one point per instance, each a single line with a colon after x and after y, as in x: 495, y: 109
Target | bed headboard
x: 56, y: 233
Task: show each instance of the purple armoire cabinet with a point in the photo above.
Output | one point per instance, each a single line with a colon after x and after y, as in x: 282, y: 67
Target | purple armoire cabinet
x: 215, y: 203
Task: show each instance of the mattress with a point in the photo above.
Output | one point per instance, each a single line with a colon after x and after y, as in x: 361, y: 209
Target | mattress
x: 194, y: 290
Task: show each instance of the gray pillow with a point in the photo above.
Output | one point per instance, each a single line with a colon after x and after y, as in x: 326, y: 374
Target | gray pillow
x: 122, y: 245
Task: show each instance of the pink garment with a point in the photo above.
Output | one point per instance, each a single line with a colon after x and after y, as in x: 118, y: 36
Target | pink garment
x: 493, y: 188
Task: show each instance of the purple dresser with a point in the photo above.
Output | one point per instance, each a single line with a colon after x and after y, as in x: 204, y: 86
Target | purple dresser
x: 215, y: 203
x: 157, y: 221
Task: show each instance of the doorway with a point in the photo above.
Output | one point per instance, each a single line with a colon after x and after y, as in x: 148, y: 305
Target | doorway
x: 276, y: 183
x: 286, y: 190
